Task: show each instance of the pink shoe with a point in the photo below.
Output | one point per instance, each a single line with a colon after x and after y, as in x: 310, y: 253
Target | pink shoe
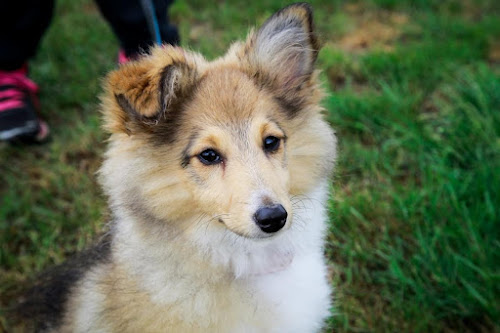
x: 18, y: 108
x: 122, y: 57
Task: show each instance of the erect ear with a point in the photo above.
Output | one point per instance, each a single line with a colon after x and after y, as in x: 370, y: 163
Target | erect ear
x: 144, y: 96
x: 285, y: 47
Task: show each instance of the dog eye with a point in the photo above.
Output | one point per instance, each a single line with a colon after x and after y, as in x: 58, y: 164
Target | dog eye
x: 271, y: 144
x: 209, y: 157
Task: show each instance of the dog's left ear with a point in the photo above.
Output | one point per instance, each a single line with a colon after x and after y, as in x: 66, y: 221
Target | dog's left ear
x: 144, y: 96
x: 285, y: 48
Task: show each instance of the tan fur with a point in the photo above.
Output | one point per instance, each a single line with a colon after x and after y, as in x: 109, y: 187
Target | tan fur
x: 129, y: 309
x: 164, y: 110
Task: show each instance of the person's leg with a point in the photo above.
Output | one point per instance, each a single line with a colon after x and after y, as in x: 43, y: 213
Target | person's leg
x: 128, y: 21
x: 22, y: 24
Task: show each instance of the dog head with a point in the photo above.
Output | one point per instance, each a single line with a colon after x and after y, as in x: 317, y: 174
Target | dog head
x: 225, y: 144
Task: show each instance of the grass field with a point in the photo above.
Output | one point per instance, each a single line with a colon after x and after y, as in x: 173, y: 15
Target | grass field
x: 414, y: 241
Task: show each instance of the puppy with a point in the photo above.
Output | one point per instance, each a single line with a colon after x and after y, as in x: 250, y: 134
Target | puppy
x: 217, y: 174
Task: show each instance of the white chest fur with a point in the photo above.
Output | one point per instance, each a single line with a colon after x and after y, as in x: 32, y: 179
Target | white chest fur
x: 248, y: 292
x: 294, y: 300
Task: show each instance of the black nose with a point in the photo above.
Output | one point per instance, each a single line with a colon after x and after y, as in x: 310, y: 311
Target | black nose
x: 271, y: 218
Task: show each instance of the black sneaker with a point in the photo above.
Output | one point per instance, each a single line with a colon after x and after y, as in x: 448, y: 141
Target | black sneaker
x: 18, y: 108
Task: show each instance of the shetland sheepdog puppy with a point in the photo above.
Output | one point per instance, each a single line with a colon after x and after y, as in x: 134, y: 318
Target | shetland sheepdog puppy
x: 217, y: 173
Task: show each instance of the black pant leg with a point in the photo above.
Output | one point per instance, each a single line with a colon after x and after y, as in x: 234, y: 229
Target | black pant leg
x: 22, y: 24
x: 130, y: 25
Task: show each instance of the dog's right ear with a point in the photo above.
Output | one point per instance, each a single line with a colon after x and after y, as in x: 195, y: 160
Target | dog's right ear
x: 281, y: 55
x: 144, y: 96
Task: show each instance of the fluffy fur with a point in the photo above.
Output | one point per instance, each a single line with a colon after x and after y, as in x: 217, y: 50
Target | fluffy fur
x: 184, y: 252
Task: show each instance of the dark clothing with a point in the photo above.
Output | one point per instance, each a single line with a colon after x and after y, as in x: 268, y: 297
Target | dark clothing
x: 23, y: 23
x: 129, y: 23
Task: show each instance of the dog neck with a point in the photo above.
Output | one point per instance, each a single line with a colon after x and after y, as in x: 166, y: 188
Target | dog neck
x: 162, y: 259
x: 215, y: 250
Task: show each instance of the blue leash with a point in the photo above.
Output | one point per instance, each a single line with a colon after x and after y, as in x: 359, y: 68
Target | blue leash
x: 150, y: 13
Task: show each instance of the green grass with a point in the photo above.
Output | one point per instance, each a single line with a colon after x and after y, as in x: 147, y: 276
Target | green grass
x: 414, y: 239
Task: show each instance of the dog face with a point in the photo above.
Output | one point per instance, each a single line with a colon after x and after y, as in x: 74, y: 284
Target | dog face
x: 236, y: 154
x: 224, y: 144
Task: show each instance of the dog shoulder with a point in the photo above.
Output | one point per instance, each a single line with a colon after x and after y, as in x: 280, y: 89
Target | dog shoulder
x: 44, y: 305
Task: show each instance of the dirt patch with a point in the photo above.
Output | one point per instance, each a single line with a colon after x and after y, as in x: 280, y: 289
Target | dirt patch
x: 368, y: 30
x: 84, y: 160
x: 494, y: 52
x: 90, y: 8
x: 199, y: 30
x: 372, y: 30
